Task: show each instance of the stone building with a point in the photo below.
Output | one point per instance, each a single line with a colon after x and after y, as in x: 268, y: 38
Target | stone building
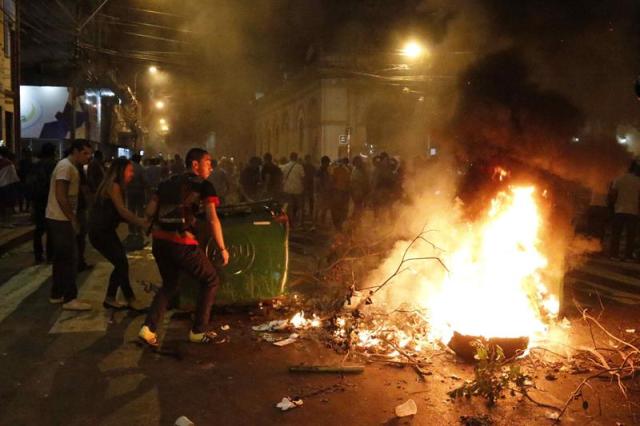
x: 9, y: 86
x: 337, y: 111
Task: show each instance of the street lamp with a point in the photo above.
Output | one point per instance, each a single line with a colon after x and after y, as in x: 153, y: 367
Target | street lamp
x: 163, y: 121
x: 151, y: 70
x: 412, y: 49
x: 159, y: 104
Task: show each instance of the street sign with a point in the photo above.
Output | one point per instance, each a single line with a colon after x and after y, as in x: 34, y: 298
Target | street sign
x: 342, y: 140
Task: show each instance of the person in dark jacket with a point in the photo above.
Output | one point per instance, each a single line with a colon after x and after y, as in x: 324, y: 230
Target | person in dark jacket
x: 108, y: 211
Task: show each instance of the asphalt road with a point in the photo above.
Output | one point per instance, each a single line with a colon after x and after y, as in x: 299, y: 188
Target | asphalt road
x: 59, y: 368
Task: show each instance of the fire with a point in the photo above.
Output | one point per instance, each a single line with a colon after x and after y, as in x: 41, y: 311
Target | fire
x: 495, y: 286
x: 299, y: 321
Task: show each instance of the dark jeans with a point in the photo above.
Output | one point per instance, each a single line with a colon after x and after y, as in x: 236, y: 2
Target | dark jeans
x: 40, y: 223
x: 597, y: 220
x: 172, y: 258
x: 109, y: 245
x: 628, y: 222
x: 65, y: 259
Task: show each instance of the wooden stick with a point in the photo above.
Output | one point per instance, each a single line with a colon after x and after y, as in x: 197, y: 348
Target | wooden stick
x: 342, y: 369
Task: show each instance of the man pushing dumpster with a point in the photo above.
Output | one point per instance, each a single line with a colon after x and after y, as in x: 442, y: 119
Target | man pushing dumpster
x: 173, y: 210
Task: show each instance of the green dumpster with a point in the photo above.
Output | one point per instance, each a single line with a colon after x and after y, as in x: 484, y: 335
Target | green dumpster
x: 257, y: 237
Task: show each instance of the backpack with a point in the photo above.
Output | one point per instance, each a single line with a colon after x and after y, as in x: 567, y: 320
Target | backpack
x: 178, y: 202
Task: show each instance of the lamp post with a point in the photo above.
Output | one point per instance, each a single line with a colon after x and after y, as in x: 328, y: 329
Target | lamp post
x: 151, y: 70
x: 415, y: 52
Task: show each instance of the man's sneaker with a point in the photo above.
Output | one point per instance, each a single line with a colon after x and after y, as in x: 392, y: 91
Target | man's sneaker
x: 76, y: 305
x: 56, y: 300
x: 148, y: 336
x: 206, y: 337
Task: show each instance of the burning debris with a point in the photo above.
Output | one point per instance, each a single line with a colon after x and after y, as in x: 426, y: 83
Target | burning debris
x: 489, y: 299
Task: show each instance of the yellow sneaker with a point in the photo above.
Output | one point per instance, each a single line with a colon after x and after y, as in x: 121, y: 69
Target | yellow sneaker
x: 148, y: 336
x: 206, y: 337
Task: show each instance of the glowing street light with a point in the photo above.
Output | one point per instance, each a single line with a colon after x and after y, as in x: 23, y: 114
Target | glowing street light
x: 153, y: 69
x: 159, y: 104
x: 412, y: 49
x: 164, y: 128
x: 163, y: 121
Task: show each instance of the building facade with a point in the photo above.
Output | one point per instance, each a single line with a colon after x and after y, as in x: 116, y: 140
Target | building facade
x: 339, y: 112
x: 9, y: 86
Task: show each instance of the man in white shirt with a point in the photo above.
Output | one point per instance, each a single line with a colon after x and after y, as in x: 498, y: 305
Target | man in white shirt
x: 63, y: 225
x: 293, y: 187
x: 625, y: 195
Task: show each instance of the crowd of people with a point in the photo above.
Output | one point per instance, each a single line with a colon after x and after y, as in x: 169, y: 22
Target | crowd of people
x: 84, y: 197
x: 314, y: 192
x: 615, y: 212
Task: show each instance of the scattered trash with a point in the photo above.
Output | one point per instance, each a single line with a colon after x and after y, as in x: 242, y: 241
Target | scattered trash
x: 630, y: 330
x: 288, y: 403
x: 225, y: 327
x: 409, y: 408
x: 342, y: 369
x: 284, y: 342
x: 552, y: 415
x: 268, y: 337
x: 274, y: 325
x: 183, y: 421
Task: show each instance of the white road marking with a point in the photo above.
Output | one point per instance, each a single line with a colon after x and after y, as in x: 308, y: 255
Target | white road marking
x: 92, y: 291
x: 21, y: 286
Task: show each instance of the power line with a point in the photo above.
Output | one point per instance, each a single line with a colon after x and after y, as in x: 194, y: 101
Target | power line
x: 118, y: 21
x: 153, y: 12
x: 153, y: 37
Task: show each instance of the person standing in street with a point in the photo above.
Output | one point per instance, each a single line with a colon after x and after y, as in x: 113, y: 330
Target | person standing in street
x: 63, y: 225
x: 39, y: 183
x: 309, y: 175
x: 106, y: 214
x: 95, y: 172
x: 625, y: 197
x: 271, y: 178
x: 177, y: 167
x: 323, y: 191
x: 340, y: 183
x: 359, y: 187
x: 221, y: 181
x: 293, y: 188
x: 174, y: 207
x: 8, y: 187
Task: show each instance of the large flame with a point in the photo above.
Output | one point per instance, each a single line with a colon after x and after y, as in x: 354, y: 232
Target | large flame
x: 495, y: 286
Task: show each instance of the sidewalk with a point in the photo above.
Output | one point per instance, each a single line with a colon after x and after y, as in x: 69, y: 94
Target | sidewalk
x: 19, y: 231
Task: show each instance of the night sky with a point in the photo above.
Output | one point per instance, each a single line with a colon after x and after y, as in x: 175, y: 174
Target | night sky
x: 220, y: 53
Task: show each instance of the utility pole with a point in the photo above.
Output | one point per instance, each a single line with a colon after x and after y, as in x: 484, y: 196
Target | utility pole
x: 17, y: 121
x: 76, y: 61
